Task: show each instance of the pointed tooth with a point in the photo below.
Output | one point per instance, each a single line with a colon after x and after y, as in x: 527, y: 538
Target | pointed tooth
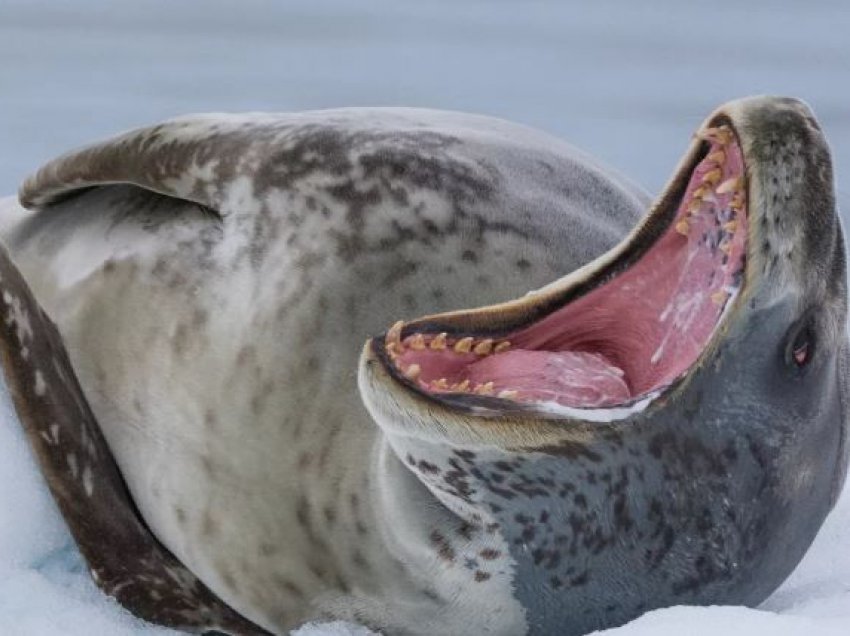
x: 737, y: 202
x: 729, y: 185
x: 416, y: 342
x: 508, y: 394
x: 726, y: 247
x: 720, y: 134
x: 719, y: 297
x: 484, y: 347
x: 694, y: 206
x: 484, y: 389
x: 394, y: 333
x: 712, y: 176
x: 412, y: 372
x: 439, y: 341
x: 700, y: 192
x: 731, y: 226
x: 502, y: 346
x: 724, y: 134
x: 682, y: 227
x: 441, y: 384
x: 392, y: 342
x: 464, y: 345
x: 462, y: 387
x: 718, y: 156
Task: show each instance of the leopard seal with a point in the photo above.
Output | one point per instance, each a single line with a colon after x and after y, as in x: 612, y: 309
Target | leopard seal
x: 184, y: 308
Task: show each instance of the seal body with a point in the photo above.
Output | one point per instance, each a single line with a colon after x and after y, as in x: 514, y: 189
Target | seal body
x: 214, y: 277
x: 219, y: 352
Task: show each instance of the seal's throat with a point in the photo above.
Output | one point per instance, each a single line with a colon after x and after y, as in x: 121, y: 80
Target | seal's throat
x: 635, y: 330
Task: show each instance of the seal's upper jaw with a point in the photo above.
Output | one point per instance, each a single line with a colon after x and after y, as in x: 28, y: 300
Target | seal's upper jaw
x: 607, y: 339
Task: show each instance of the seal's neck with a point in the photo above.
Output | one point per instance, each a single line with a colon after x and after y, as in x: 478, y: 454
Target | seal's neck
x: 449, y: 543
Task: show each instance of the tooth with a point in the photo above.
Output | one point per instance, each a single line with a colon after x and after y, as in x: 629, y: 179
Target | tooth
x: 461, y: 386
x: 394, y: 334
x: 694, y: 206
x: 441, y: 384
x: 508, y: 394
x: 392, y: 341
x: 417, y: 342
x: 502, y: 346
x: 724, y: 134
x: 464, y: 345
x: 731, y: 226
x: 729, y: 185
x: 737, y: 202
x: 726, y: 247
x: 483, y: 389
x: 484, y: 347
x: 439, y: 341
x: 720, y: 134
x: 712, y: 176
x: 412, y: 372
x: 718, y: 156
x: 719, y: 297
x: 700, y: 192
x: 682, y: 227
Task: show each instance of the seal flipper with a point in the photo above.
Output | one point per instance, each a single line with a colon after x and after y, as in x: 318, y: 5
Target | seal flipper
x: 124, y: 557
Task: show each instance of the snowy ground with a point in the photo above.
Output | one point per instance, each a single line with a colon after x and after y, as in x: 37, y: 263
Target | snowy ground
x: 626, y: 80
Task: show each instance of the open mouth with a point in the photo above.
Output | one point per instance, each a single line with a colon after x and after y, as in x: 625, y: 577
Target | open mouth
x: 632, y: 331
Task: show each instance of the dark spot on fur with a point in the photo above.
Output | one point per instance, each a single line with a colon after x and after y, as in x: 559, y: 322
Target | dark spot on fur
x: 210, y: 420
x: 481, y: 576
x: 199, y: 317
x: 428, y: 467
x: 571, y: 450
x: 288, y: 587
x: 179, y: 340
x: 246, y: 353
x: 444, y: 548
x: 228, y: 579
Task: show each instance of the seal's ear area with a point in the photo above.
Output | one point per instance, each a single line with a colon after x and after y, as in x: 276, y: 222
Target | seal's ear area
x: 125, y: 559
x: 197, y: 158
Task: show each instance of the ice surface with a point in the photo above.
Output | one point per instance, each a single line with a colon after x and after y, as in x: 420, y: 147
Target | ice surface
x: 627, y: 81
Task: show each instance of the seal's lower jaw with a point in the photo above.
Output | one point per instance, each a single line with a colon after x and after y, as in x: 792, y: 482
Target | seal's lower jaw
x: 615, y: 333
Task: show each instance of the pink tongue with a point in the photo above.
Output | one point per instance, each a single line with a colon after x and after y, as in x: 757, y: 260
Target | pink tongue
x: 570, y: 377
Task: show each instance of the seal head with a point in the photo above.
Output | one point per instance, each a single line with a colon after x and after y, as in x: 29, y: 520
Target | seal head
x: 667, y: 424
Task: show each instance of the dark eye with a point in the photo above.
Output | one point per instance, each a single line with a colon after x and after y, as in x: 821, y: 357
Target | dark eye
x: 802, y: 347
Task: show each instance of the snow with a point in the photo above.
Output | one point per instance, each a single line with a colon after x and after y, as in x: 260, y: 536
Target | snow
x: 627, y: 81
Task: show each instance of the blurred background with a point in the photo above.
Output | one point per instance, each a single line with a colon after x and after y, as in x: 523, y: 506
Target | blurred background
x: 626, y: 80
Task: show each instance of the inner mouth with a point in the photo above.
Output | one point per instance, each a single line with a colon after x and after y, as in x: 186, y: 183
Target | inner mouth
x: 630, y: 336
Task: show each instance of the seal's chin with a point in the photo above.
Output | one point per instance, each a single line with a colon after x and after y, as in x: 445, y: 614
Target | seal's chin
x: 618, y: 331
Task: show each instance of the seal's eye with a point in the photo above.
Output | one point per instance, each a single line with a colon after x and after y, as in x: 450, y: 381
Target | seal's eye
x: 803, y: 346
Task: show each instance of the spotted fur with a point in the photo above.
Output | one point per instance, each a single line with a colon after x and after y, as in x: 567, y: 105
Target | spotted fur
x: 213, y: 279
